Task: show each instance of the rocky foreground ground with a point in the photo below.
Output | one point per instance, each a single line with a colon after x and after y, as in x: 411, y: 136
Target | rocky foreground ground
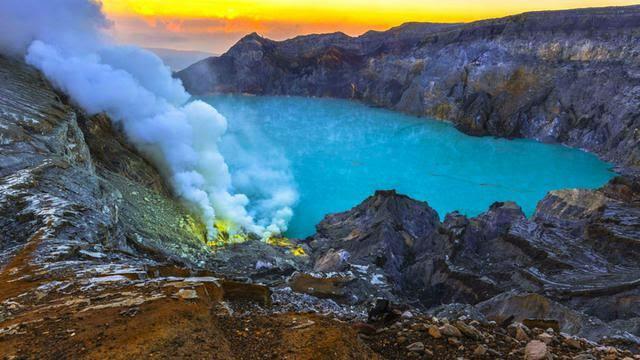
x: 99, y: 260
x: 164, y: 313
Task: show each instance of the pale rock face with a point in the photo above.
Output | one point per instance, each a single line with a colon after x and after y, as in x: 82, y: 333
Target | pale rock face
x: 536, y: 350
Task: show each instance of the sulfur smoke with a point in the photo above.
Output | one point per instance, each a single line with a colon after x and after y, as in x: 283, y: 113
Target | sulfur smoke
x: 68, y: 41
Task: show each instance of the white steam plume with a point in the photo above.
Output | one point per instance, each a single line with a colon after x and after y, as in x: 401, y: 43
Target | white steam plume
x: 66, y: 40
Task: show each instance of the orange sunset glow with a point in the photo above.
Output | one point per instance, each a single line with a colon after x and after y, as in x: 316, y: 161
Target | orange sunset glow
x: 214, y: 25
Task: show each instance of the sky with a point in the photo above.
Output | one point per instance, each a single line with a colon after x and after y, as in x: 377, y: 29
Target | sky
x: 215, y: 25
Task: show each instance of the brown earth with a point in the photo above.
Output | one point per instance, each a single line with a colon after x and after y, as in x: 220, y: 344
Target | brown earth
x: 171, y: 312
x: 121, y: 318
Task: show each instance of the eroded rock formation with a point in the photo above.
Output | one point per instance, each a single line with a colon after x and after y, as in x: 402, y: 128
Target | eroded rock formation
x: 575, y: 260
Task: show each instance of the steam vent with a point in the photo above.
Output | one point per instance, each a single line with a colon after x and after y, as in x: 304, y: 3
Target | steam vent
x: 465, y: 185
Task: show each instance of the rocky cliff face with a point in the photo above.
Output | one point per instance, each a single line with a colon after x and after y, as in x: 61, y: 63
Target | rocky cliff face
x: 575, y: 261
x: 570, y: 77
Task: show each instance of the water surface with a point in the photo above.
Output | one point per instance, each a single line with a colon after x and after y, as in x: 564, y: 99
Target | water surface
x: 340, y: 152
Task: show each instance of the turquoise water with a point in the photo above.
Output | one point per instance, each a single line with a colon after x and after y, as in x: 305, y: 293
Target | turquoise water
x: 340, y: 152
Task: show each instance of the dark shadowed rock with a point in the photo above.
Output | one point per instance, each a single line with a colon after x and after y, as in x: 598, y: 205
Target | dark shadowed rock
x: 386, y: 231
x: 568, y: 259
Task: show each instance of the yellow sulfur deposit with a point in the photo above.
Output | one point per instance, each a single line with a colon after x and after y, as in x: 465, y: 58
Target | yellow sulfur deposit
x: 228, y: 233
x: 296, y: 250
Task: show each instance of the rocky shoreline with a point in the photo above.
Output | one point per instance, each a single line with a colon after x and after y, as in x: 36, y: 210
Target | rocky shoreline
x: 98, y: 259
x: 570, y: 77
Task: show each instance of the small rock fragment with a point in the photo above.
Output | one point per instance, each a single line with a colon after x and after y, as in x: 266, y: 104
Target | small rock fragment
x: 468, y: 330
x: 407, y: 315
x: 428, y: 353
x: 536, y: 350
x: 416, y: 347
x: 450, y: 330
x: 434, y: 332
x: 584, y: 356
x: 519, y: 331
x: 521, y: 335
x: 304, y: 325
x: 545, y: 338
x: 187, y: 294
x: 573, y: 342
x: 480, y: 350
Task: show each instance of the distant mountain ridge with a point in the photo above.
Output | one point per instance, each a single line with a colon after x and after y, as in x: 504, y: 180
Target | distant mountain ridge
x: 179, y: 59
x: 570, y: 77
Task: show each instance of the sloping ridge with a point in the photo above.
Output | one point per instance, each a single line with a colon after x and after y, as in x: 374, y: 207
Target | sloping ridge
x: 73, y: 178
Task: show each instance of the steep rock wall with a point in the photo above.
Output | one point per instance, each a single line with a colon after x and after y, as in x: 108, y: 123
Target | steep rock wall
x: 570, y: 77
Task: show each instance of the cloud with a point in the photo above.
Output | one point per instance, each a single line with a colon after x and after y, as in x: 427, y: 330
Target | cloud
x: 214, y: 34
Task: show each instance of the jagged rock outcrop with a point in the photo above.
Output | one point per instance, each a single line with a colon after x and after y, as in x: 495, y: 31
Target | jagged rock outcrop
x: 385, y: 230
x: 578, y: 255
x: 570, y: 77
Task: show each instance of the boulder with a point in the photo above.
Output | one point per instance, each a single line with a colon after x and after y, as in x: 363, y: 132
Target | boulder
x: 332, y: 261
x: 416, y: 347
x: 434, y: 331
x: 536, y: 350
x: 327, y: 287
x: 383, y: 231
x: 450, y: 330
x: 514, y: 306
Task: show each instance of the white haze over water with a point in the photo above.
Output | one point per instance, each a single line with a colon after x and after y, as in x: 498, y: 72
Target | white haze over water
x: 66, y: 40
